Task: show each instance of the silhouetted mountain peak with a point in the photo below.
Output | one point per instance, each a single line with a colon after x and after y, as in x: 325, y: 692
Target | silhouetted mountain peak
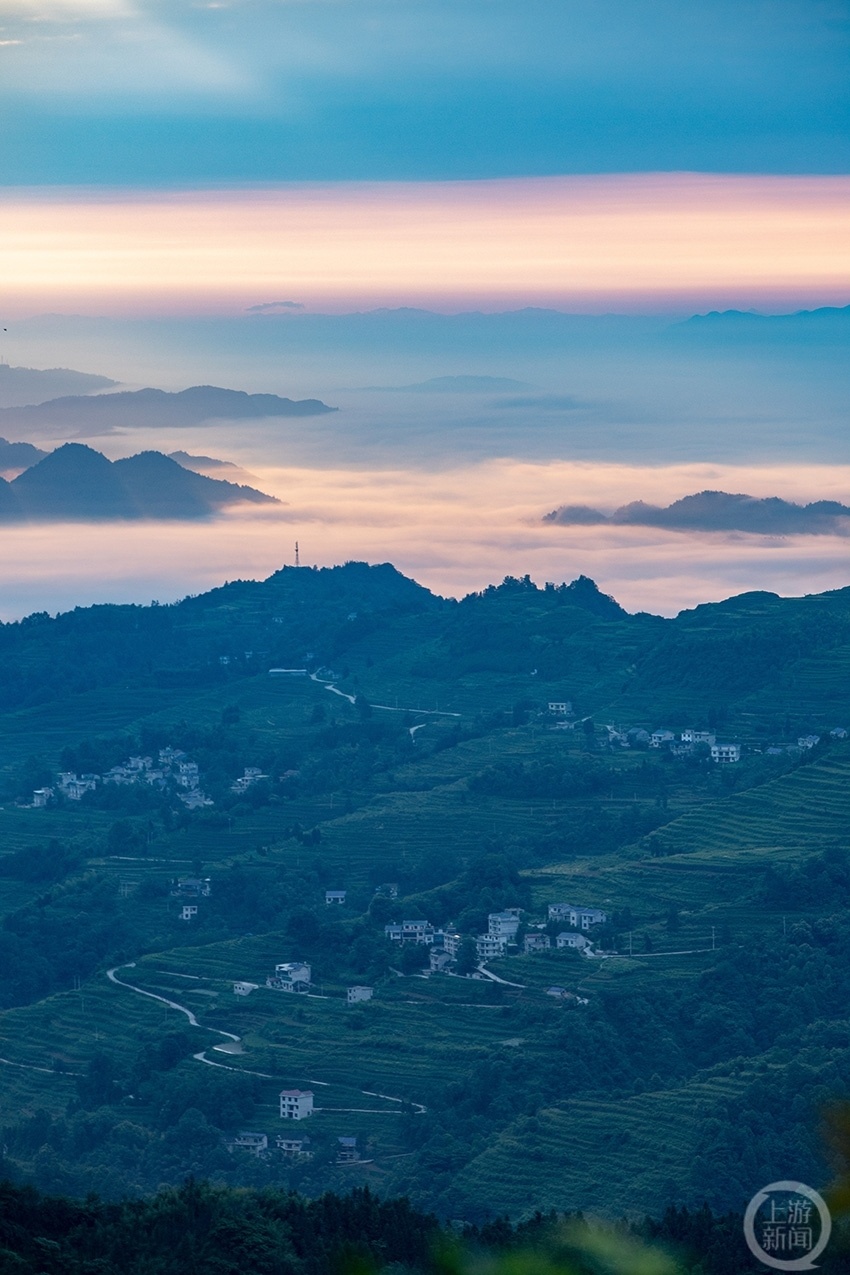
x: 78, y: 482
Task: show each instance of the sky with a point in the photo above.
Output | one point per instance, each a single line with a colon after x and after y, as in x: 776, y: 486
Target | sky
x: 318, y: 197
x: 158, y: 93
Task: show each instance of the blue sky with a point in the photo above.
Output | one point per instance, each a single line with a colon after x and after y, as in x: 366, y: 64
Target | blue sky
x: 151, y: 93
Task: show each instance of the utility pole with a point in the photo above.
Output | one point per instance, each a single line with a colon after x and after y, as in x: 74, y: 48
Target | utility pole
x: 297, y: 555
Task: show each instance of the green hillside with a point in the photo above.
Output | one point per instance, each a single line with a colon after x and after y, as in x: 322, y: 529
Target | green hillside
x: 416, y: 748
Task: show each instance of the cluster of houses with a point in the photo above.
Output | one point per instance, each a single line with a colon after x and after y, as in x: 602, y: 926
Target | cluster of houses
x: 683, y: 744
x: 173, y: 769
x: 251, y: 776
x: 723, y: 754
x: 296, y: 978
x: 501, y: 937
x: 295, y: 1104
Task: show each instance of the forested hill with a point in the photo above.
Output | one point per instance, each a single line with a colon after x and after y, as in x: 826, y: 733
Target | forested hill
x: 752, y: 656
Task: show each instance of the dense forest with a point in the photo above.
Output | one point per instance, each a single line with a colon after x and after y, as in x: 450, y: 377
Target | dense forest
x: 200, y: 1228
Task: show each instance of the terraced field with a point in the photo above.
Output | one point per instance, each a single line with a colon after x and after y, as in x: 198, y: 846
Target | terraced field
x: 603, y: 1157
x: 809, y: 807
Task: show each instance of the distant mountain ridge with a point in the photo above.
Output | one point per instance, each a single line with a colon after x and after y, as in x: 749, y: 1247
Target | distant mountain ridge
x: 18, y: 455
x: 78, y: 483
x: 719, y: 511
x: 20, y: 386
x: 152, y: 409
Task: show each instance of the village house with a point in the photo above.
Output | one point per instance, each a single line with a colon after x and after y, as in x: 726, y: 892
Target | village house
x: 838, y: 732
x: 410, y: 932
x: 188, y: 775
x: 578, y: 918
x: 291, y: 976
x: 559, y: 708
x: 584, y: 918
x: 354, y: 995
x: 335, y: 897
x: 660, y: 737
x: 189, y: 911
x: 119, y: 775
x: 698, y: 737
x: 251, y: 776
x: 296, y: 1104
x: 389, y: 890
x: 488, y: 948
x: 347, y: 1153
x: 440, y: 960
x: 193, y: 887
x: 725, y: 754
x: 808, y: 741
x: 293, y: 1148
x: 536, y: 943
x: 241, y: 988
x: 569, y: 938
x: 256, y: 1143
x: 75, y: 787
x: 451, y: 941
x: 561, y: 994
x: 41, y: 796
x: 287, y: 672
x: 503, y: 925
x: 194, y: 799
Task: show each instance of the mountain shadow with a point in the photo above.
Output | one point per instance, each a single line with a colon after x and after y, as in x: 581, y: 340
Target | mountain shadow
x: 78, y: 483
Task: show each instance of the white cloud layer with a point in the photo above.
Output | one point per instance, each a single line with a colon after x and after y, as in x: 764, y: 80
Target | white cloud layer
x: 455, y: 531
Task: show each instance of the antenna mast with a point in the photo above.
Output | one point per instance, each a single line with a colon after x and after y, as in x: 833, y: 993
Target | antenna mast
x: 297, y: 556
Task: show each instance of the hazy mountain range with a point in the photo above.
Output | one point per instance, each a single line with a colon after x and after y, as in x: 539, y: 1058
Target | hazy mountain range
x: 78, y: 483
x: 151, y: 409
x: 18, y: 455
x: 719, y: 511
x: 21, y: 385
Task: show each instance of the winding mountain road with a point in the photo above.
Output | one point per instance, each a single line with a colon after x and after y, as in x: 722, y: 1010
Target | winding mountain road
x: 418, y: 1107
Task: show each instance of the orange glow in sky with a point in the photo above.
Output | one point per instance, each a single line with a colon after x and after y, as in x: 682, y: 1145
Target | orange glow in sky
x: 619, y: 241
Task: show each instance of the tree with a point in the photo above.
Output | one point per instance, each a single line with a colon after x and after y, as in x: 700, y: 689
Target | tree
x: 467, y: 956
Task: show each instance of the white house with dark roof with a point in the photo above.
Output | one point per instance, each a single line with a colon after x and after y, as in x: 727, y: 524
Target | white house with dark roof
x: 296, y: 1104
